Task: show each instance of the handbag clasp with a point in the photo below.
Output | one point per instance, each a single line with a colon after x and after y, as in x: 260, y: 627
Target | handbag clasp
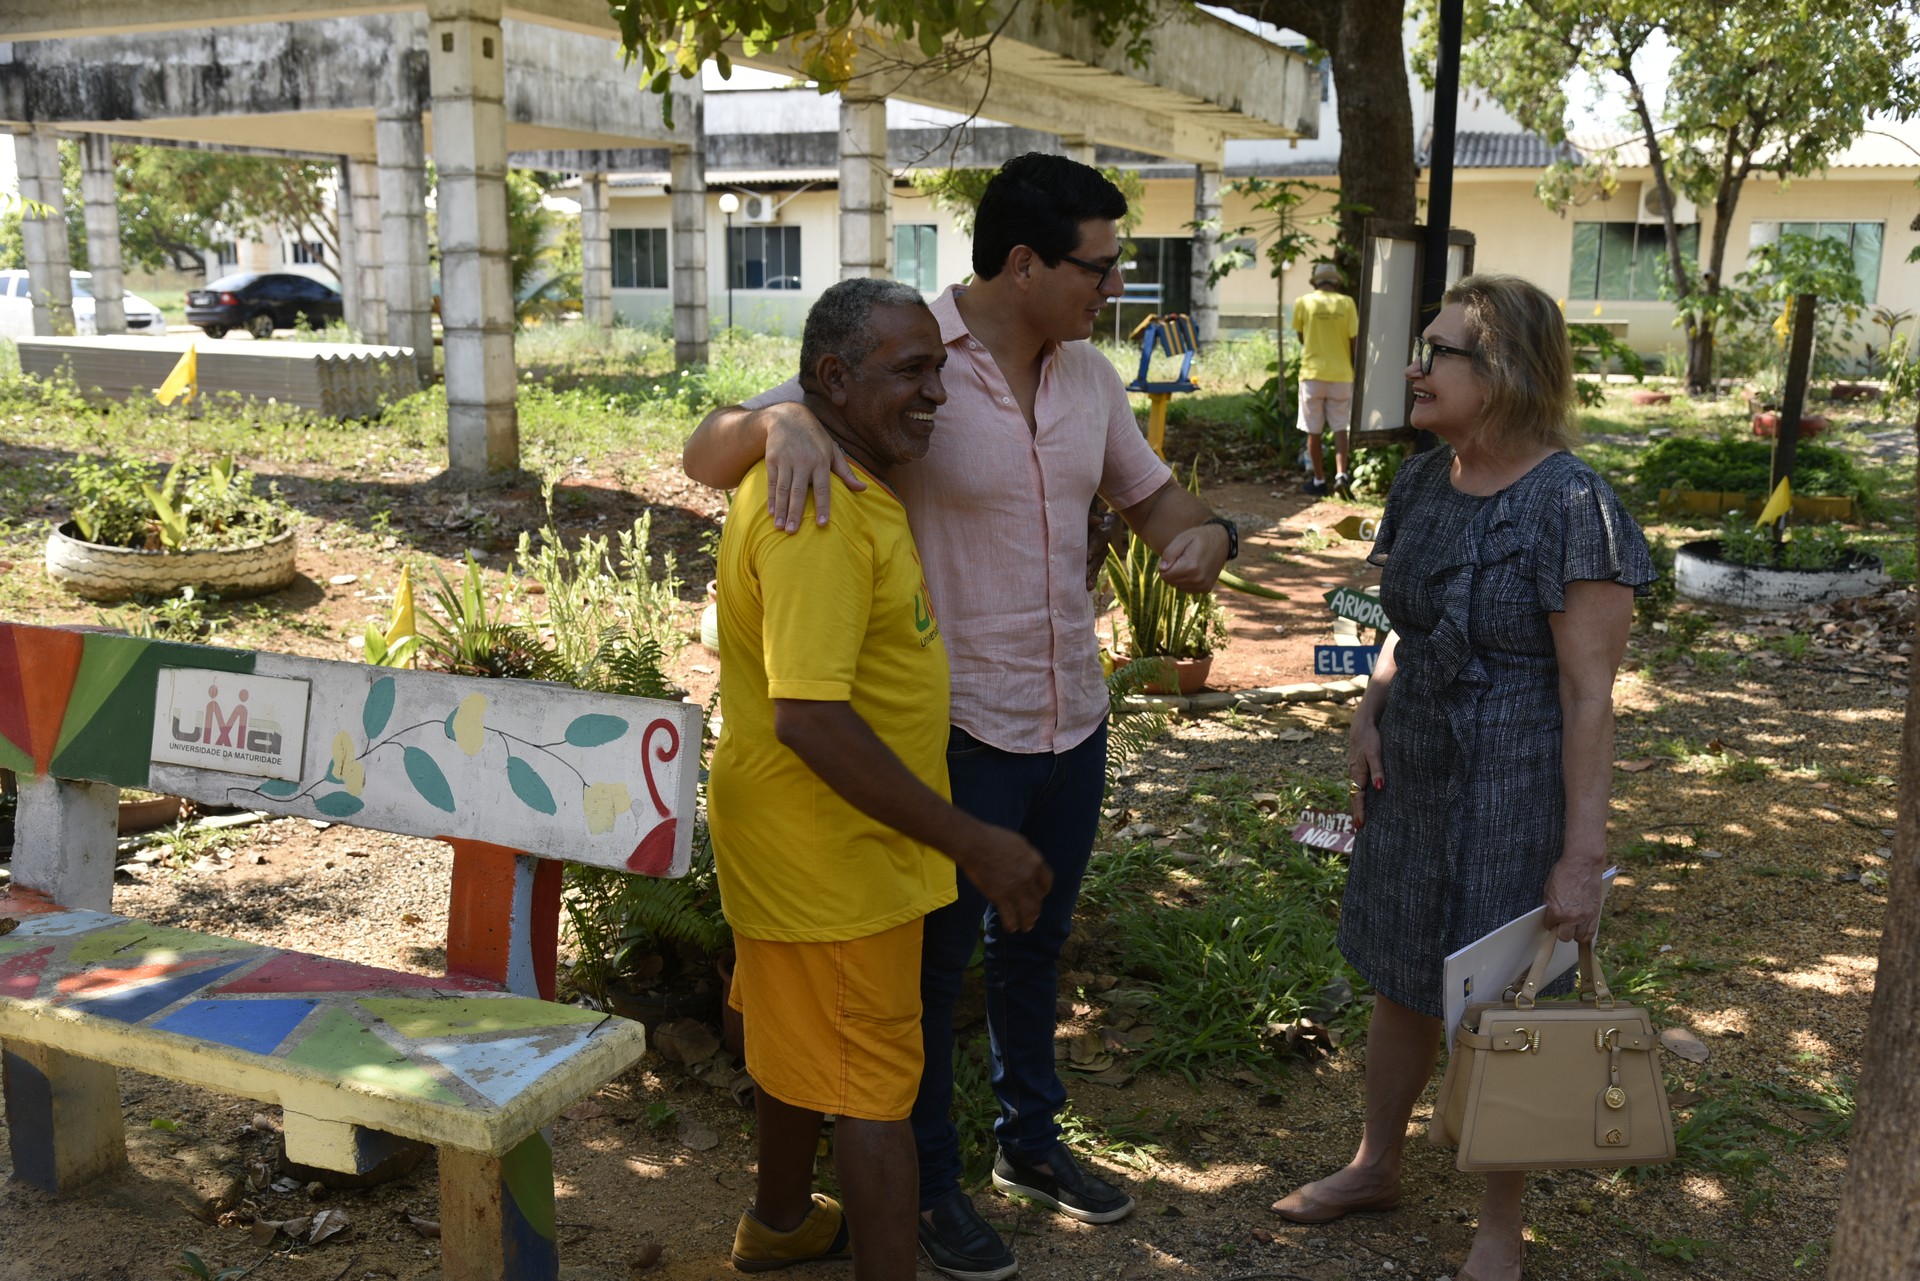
x: 1607, y: 1040
x: 1530, y: 1039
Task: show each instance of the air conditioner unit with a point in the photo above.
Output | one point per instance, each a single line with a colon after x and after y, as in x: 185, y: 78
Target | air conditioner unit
x: 1651, y: 210
x: 758, y: 208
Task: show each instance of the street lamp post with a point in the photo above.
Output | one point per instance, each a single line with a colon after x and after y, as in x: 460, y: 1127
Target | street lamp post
x: 729, y: 205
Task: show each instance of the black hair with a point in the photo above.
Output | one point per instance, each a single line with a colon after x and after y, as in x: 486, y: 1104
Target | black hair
x: 1039, y: 201
x: 838, y: 321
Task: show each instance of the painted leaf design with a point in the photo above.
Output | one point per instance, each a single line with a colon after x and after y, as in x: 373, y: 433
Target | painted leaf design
x: 448, y: 723
x: 338, y: 804
x: 529, y: 786
x: 424, y: 773
x: 280, y: 787
x: 373, y: 717
x: 594, y: 729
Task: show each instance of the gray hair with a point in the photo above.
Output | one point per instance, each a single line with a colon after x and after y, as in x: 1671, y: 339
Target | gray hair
x: 837, y: 324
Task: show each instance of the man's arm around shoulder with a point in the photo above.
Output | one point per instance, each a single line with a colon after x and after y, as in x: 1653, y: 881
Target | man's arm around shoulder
x: 800, y: 457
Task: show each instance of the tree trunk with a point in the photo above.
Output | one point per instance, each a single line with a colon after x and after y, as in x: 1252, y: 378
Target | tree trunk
x: 1377, y: 169
x: 1877, y: 1234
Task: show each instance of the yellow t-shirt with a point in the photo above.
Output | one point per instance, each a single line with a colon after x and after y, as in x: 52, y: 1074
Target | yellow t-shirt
x: 834, y: 614
x: 1327, y: 322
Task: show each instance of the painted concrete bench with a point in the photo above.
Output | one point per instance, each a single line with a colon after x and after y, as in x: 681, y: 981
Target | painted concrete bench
x: 517, y: 776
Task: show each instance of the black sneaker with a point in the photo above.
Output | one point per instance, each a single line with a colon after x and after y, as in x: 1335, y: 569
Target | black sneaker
x: 1343, y: 485
x: 1064, y: 1186
x: 1318, y: 488
x: 963, y: 1245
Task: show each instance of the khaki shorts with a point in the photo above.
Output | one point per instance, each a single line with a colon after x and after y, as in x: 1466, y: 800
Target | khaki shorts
x: 834, y: 1027
x: 1325, y: 404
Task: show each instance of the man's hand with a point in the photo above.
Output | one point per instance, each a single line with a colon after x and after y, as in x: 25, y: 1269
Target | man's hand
x: 1194, y: 558
x: 1009, y: 871
x: 800, y: 459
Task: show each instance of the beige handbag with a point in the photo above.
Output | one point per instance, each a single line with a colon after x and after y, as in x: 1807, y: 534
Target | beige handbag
x: 1554, y: 1085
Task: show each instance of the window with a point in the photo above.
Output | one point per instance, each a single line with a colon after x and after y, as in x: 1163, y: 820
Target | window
x: 228, y: 254
x: 639, y: 257
x: 308, y: 252
x: 1624, y: 261
x: 916, y: 255
x: 1160, y: 271
x: 1863, y: 238
x: 763, y: 258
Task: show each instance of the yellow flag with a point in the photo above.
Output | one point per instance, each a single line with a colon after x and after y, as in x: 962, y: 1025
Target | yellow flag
x: 182, y: 382
x: 403, y: 624
x: 1778, y: 505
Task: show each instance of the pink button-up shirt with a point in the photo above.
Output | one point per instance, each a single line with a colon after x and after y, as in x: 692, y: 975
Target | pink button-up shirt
x: 1000, y: 516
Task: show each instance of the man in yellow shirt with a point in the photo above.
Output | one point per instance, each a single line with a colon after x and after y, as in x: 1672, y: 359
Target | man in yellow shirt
x: 833, y: 833
x: 1327, y: 323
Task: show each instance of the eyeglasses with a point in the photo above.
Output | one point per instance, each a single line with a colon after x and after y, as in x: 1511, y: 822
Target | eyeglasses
x: 1425, y: 349
x: 1105, y: 273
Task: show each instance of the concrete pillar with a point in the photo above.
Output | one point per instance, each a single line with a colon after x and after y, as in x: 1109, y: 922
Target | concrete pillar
x: 688, y: 174
x: 49, y: 262
x: 866, y: 189
x: 596, y: 251
x: 346, y: 224
x: 405, y: 274
x: 361, y: 201
x: 103, y: 234
x: 467, y: 69
x: 1077, y: 146
x: 1206, y: 246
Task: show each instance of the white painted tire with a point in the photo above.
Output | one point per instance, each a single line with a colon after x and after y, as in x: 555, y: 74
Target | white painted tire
x: 1699, y: 574
x: 115, y: 573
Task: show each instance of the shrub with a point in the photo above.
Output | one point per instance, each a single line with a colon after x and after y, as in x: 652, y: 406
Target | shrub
x: 1735, y: 466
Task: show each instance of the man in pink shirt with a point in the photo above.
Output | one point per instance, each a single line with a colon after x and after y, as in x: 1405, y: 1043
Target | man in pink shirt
x: 1036, y: 424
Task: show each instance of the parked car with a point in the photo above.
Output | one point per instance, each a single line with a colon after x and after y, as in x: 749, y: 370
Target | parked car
x: 16, y: 307
x: 261, y: 302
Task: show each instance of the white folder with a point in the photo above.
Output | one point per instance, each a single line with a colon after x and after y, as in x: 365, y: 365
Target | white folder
x: 1486, y: 967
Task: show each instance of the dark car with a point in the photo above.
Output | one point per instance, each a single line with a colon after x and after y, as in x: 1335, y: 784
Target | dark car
x: 261, y: 302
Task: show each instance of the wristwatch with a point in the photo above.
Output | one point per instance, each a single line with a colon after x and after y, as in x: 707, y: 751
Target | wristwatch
x: 1233, y: 534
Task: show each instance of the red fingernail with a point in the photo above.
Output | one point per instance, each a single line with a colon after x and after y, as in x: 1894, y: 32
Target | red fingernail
x: 1379, y: 784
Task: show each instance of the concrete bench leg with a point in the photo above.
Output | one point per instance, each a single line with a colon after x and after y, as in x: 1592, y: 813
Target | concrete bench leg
x: 63, y: 1117
x: 497, y: 1214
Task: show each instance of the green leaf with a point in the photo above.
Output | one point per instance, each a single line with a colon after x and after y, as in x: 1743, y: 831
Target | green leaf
x: 529, y: 786
x: 338, y: 804
x: 930, y: 42
x: 279, y: 787
x: 594, y: 729
x: 373, y: 717
x: 424, y: 773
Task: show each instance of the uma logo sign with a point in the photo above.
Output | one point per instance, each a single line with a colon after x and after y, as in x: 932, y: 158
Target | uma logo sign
x: 253, y: 725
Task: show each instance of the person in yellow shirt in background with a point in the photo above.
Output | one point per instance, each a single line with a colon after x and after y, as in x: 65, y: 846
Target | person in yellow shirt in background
x: 828, y: 800
x: 1327, y: 323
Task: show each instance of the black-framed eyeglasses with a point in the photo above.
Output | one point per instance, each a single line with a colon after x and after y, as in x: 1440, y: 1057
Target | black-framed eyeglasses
x: 1105, y: 273
x: 1425, y: 349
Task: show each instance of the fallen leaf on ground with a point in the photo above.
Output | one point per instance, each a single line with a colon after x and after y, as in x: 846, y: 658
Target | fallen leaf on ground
x: 685, y: 1041
x: 429, y: 1228
x: 585, y: 1110
x: 1684, y: 1098
x: 1634, y: 767
x: 699, y: 1137
x: 328, y: 1223
x: 1685, y: 1044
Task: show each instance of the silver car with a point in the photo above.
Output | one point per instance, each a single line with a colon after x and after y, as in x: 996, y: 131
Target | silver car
x: 16, y: 307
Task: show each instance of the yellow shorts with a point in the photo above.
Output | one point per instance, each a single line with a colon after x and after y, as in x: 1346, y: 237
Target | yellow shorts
x: 834, y: 1027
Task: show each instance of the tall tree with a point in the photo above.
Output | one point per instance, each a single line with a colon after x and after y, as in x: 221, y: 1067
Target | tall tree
x: 1756, y: 87
x: 1362, y: 39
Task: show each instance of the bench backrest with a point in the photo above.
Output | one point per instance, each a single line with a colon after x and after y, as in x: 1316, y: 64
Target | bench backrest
x: 1174, y: 335
x: 544, y: 769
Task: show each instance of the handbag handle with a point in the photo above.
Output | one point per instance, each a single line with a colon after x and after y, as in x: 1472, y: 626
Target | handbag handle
x: 1591, y: 980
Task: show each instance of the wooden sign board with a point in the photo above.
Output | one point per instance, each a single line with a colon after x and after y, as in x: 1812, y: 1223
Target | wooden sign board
x: 1345, y: 660
x: 1325, y: 830
x: 1356, y: 527
x: 1358, y: 606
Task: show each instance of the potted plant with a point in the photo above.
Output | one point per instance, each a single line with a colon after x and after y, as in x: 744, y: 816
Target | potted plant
x: 1180, y: 629
x: 199, y: 526
x: 1747, y: 567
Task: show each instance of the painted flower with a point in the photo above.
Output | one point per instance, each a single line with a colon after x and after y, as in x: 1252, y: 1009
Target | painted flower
x: 469, y: 729
x: 605, y: 803
x: 354, y: 775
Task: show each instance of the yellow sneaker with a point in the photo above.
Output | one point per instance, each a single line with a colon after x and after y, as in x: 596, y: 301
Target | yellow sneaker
x: 822, y: 1235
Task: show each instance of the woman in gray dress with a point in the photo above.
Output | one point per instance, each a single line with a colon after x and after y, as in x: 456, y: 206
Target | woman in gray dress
x: 1481, y: 759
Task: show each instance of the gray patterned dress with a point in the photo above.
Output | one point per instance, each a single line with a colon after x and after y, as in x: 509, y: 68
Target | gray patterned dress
x: 1462, y: 838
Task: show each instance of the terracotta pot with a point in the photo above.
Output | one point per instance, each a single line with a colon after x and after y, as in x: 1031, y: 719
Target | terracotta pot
x: 1768, y: 424
x: 99, y: 572
x: 145, y: 816
x: 1842, y: 392
x: 1644, y: 397
x: 1184, y: 676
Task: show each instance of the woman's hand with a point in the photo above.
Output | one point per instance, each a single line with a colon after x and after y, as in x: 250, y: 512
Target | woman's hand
x: 800, y: 458
x: 1364, y: 769
x: 1574, y: 893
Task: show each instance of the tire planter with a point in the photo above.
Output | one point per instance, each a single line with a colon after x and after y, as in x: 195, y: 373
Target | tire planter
x: 1700, y: 574
x: 1768, y: 424
x: 114, y: 573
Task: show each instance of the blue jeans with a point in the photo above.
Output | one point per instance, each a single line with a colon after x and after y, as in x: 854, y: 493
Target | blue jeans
x: 1053, y: 799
